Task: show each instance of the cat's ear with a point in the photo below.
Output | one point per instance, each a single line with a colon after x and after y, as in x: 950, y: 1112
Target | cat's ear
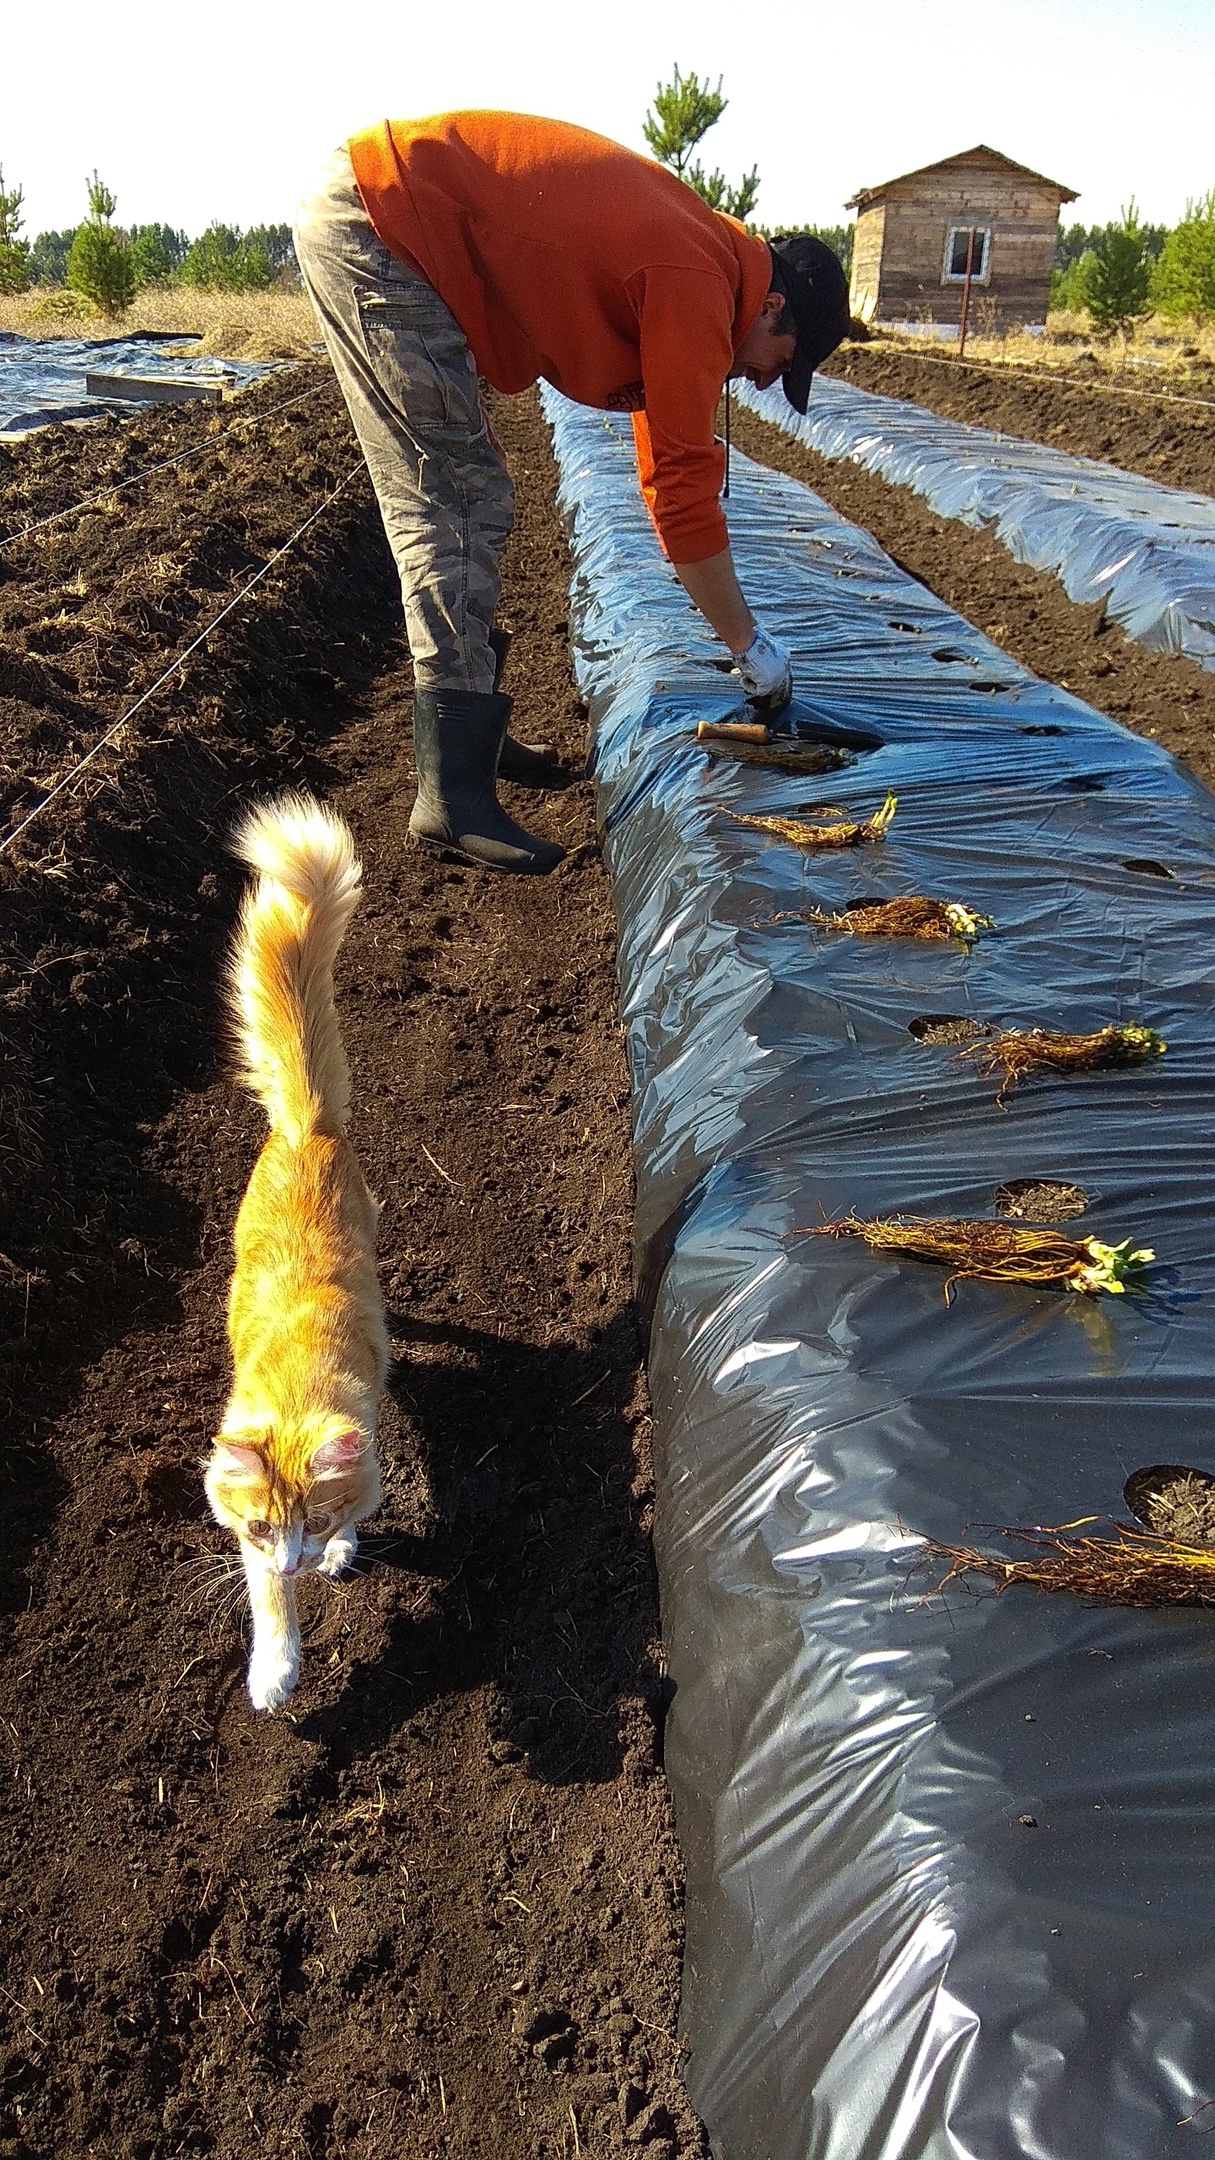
x: 233, y: 1461
x: 337, y: 1455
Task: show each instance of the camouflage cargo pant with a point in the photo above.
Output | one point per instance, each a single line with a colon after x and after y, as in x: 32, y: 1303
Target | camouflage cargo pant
x: 410, y: 382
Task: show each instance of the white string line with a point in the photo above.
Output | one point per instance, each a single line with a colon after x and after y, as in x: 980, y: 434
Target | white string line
x: 208, y: 443
x: 179, y: 662
x: 1056, y: 380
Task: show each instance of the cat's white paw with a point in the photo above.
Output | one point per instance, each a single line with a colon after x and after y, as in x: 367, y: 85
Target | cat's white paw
x: 338, y: 1553
x: 271, y: 1679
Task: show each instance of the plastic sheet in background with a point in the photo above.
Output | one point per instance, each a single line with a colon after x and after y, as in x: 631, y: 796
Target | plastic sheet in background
x: 950, y: 1890
x: 42, y: 379
x: 1104, y: 532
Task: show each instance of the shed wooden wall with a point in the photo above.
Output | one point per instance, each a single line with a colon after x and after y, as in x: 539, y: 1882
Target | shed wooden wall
x: 867, y: 261
x: 904, y: 246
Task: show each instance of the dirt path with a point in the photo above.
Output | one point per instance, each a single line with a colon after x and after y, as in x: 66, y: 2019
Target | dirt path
x: 435, y: 1909
x: 1026, y: 611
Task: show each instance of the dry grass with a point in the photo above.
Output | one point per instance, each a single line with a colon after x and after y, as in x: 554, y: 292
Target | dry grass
x: 1155, y: 350
x: 274, y: 325
x: 978, y: 1250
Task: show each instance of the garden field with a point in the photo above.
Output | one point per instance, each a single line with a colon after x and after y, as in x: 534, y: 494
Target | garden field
x: 436, y: 1907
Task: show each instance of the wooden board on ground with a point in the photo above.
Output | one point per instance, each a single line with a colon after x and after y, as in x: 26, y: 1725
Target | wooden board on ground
x: 154, y: 389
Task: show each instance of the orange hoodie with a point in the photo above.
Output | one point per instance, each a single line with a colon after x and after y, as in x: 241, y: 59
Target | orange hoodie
x: 562, y: 255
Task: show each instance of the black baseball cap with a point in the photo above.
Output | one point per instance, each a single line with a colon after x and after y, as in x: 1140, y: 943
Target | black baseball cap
x: 811, y: 277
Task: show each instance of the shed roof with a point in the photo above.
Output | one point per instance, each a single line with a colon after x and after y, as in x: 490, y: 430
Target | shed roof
x: 981, y: 157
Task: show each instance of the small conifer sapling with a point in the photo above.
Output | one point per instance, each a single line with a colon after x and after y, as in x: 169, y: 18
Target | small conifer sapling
x: 99, y: 265
x: 14, y: 251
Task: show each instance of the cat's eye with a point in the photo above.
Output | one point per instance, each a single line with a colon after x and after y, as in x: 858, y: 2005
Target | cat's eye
x: 259, y: 1529
x: 316, y: 1524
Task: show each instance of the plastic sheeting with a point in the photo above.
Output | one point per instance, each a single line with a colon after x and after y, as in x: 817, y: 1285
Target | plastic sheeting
x: 1149, y: 551
x: 949, y: 1856
x: 42, y: 379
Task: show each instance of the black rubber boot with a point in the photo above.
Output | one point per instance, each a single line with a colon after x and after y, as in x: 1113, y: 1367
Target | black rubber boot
x: 457, y: 736
x: 534, y: 765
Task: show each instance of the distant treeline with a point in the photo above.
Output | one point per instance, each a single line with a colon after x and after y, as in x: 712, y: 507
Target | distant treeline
x: 223, y: 258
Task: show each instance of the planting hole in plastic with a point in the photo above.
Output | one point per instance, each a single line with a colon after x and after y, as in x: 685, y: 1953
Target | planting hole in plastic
x: 1049, y: 729
x: 1147, y: 866
x: 1085, y: 784
x: 1043, y: 1200
x: 1174, y: 1500
x: 945, y: 1028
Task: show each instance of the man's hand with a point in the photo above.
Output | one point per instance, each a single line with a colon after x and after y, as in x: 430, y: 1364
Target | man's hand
x: 765, y: 670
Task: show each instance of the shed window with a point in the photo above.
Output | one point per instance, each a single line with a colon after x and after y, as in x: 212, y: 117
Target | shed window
x: 955, y: 253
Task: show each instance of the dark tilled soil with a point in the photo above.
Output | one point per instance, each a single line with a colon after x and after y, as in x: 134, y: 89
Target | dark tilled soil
x: 1026, y: 611
x: 1175, y: 1503
x: 1040, y: 1200
x: 435, y: 1907
x: 1084, y: 408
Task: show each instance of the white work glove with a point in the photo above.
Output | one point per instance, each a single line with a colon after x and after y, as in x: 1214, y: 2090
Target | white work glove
x: 765, y: 670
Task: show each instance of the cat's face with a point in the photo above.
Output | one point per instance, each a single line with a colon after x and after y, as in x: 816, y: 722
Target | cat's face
x: 286, y: 1515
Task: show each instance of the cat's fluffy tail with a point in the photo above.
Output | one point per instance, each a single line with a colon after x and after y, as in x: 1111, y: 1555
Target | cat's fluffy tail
x: 291, y: 925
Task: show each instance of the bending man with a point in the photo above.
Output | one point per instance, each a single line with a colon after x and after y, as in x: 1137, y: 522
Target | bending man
x: 487, y: 243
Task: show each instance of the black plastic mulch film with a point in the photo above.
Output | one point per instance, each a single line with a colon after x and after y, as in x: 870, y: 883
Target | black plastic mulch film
x: 1146, y: 550
x: 949, y: 1882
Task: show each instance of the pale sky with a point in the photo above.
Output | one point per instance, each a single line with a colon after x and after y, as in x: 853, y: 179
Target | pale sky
x: 194, y: 113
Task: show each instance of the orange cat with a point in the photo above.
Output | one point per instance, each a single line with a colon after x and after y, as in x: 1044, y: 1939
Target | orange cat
x: 294, y: 1464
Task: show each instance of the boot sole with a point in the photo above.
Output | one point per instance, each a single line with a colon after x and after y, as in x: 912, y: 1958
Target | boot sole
x: 450, y: 851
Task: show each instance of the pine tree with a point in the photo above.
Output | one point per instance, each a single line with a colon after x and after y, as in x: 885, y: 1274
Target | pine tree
x: 1183, y: 283
x: 684, y: 110
x: 1115, y: 284
x: 99, y: 265
x: 1069, y: 285
x: 713, y: 188
x: 14, y: 251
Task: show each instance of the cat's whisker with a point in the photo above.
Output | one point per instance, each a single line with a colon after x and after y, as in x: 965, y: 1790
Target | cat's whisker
x: 222, y: 1618
x: 201, y: 1564
x: 205, y: 1593
x: 201, y: 1591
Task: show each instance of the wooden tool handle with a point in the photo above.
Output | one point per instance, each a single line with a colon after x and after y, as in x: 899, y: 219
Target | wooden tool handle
x: 752, y: 731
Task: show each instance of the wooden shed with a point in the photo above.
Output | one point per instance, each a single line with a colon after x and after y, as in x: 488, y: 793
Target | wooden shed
x: 912, y: 234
